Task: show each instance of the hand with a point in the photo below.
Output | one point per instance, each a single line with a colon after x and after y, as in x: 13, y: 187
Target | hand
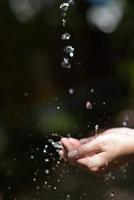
x: 100, y: 154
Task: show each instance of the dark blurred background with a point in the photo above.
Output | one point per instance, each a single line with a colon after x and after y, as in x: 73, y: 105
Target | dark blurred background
x: 41, y: 100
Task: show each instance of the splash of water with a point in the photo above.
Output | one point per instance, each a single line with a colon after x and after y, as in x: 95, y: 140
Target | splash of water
x: 68, y: 49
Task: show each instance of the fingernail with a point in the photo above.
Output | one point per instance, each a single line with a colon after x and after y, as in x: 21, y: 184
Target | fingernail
x: 73, y: 154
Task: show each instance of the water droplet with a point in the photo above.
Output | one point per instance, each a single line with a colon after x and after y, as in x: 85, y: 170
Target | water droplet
x: 58, y: 107
x: 55, y: 144
x: 96, y: 129
x: 69, y: 50
x: 32, y: 157
x: 104, y: 103
x: 89, y: 105
x: 65, y: 36
x: 26, y: 94
x: 65, y: 63
x: 44, y: 151
x: 64, y: 14
x: 68, y: 196
x: 35, y: 173
x: 71, y: 2
x: 112, y: 194
x: 58, y: 162
x: 71, y: 91
x: 47, y: 171
x: 47, y: 160
x: 92, y: 90
x: 64, y: 6
x: 63, y: 22
x: 34, y: 179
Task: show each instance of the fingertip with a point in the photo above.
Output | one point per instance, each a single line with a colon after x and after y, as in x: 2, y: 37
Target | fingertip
x: 61, y: 153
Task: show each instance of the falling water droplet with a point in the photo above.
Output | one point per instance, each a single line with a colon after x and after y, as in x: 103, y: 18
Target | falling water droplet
x: 69, y: 50
x: 112, y: 194
x: 47, y: 171
x: 71, y: 91
x: 44, y: 151
x: 68, y: 196
x: 71, y: 2
x: 89, y: 105
x: 58, y: 107
x: 34, y: 179
x: 104, y: 103
x: 66, y: 36
x: 63, y: 22
x: 47, y: 160
x: 56, y: 145
x: 32, y: 157
x: 65, y: 63
x: 92, y: 90
x: 64, y: 6
x: 64, y: 14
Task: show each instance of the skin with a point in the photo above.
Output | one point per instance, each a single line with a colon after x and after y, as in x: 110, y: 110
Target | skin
x: 102, y: 153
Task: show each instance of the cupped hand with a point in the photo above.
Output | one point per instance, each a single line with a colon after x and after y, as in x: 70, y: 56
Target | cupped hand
x: 100, y: 154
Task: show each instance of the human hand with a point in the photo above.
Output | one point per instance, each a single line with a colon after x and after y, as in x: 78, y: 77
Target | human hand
x: 100, y: 154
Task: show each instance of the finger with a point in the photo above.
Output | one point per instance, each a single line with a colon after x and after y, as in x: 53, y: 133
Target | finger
x: 67, y: 145
x: 86, y: 140
x: 61, y: 153
x: 75, y: 142
x: 87, y: 149
x: 94, y: 163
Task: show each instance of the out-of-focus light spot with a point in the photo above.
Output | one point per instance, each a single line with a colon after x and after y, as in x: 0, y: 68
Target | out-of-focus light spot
x: 125, y: 118
x: 25, y: 10
x: 106, y: 17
